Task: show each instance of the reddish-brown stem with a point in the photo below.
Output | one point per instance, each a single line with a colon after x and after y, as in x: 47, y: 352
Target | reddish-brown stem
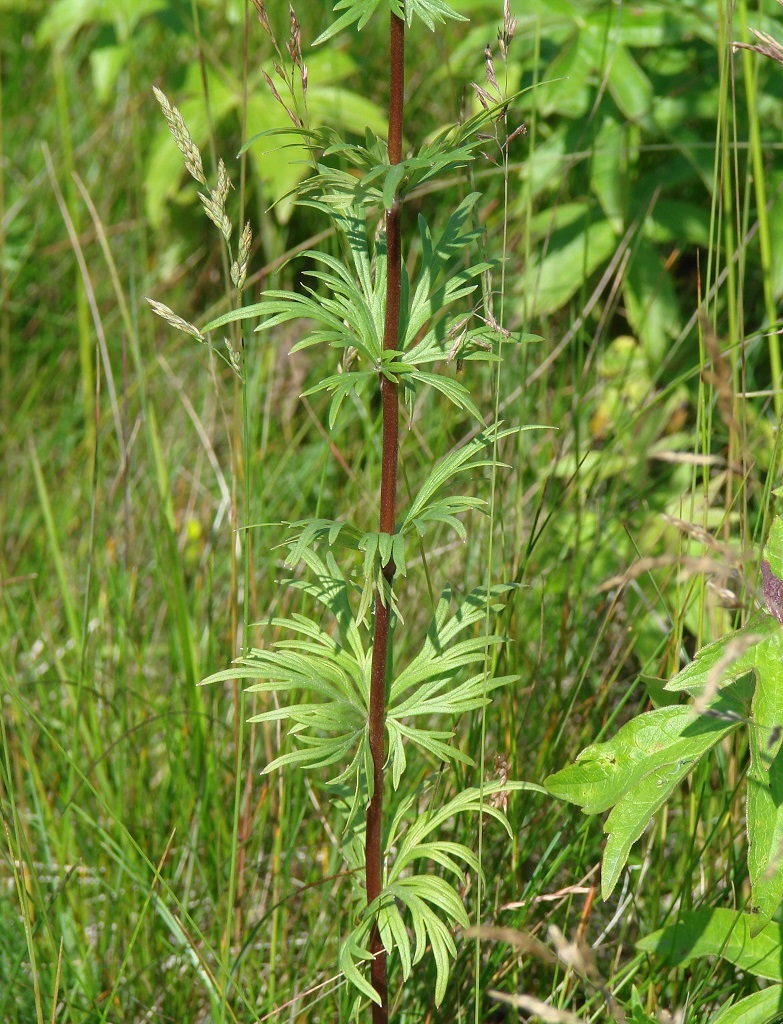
x: 389, y: 459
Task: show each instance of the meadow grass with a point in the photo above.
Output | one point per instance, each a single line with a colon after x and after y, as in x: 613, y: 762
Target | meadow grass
x: 149, y: 871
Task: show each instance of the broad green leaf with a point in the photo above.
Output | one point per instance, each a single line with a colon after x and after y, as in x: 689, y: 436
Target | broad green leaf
x: 573, y: 254
x: 671, y: 220
x: 764, y: 1007
x: 64, y: 18
x: 773, y: 550
x: 632, y: 814
x: 651, y: 301
x: 724, y: 933
x: 326, y: 102
x: 631, y: 89
x: 727, y: 659
x: 568, y: 89
x: 765, y: 782
x: 637, y: 770
x: 651, y: 743
x: 652, y: 25
x: 607, y: 177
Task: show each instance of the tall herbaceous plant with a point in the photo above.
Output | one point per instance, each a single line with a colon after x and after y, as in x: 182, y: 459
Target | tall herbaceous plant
x: 401, y: 324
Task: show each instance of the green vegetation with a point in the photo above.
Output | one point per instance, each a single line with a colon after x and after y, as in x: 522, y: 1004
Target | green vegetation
x: 610, y: 272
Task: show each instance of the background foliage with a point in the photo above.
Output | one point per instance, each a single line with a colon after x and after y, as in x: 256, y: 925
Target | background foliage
x: 648, y: 182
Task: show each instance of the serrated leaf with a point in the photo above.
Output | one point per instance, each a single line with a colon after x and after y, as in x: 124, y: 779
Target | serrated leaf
x: 637, y: 770
x: 604, y: 772
x: 725, y: 659
x: 632, y: 814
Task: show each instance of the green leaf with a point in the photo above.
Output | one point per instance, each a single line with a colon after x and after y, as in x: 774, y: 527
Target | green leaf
x: 306, y: 533
x: 350, y: 314
x: 430, y: 12
x: 573, y: 254
x: 460, y: 461
x: 723, y: 933
x: 724, y: 660
x: 607, y: 177
x: 394, y: 935
x: 631, y: 815
x: 452, y: 389
x: 773, y: 550
x: 351, y: 951
x: 359, y: 11
x: 651, y: 743
x: 330, y: 729
x: 391, y: 182
x: 765, y: 783
x: 637, y: 770
x: 651, y: 301
x: 631, y: 89
x: 415, y: 893
x: 764, y: 1007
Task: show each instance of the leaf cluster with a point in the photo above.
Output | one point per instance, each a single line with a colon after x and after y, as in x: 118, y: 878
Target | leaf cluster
x: 359, y: 12
x: 735, y: 683
x: 426, y: 905
x: 324, y: 673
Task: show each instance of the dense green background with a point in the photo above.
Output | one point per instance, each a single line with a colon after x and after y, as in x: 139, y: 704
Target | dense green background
x: 647, y: 183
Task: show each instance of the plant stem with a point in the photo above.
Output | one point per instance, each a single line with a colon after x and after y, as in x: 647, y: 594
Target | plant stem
x: 389, y: 461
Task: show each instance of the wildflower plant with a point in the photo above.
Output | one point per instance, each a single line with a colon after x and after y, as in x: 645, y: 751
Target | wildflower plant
x: 354, y: 713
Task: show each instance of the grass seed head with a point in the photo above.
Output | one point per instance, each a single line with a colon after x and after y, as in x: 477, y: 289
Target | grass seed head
x: 171, y: 318
x: 182, y: 137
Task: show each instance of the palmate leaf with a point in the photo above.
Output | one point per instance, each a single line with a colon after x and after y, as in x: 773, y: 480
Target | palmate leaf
x: 456, y: 393
x: 360, y: 12
x: 439, y: 659
x: 314, y: 664
x: 353, y: 951
x: 329, y: 587
x: 437, y: 259
x: 422, y: 509
x: 349, y: 315
x: 428, y: 900
x: 336, y: 187
x: 341, y: 385
x: 425, y: 905
x: 308, y: 532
